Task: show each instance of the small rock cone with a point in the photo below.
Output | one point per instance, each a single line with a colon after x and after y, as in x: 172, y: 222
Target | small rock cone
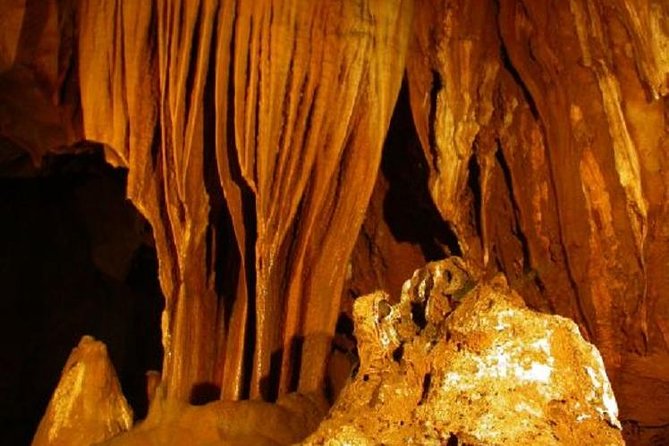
x: 88, y: 405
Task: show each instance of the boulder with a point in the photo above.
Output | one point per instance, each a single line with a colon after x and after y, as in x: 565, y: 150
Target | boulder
x: 463, y: 361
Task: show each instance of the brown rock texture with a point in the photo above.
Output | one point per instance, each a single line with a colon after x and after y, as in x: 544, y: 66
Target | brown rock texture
x: 253, y: 134
x: 88, y: 406
x: 489, y: 372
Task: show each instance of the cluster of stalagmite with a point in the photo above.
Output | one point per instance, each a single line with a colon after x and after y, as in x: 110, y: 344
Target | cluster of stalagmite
x: 459, y: 360
x: 253, y: 134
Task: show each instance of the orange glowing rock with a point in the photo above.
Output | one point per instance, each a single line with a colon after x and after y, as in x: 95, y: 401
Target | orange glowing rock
x: 88, y: 406
x: 490, y: 372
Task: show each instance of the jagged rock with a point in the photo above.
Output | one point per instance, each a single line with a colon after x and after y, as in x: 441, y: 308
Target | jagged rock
x: 469, y: 363
x: 88, y: 406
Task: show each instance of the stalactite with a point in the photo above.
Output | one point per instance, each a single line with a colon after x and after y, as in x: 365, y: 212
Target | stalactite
x: 297, y: 143
x: 253, y: 132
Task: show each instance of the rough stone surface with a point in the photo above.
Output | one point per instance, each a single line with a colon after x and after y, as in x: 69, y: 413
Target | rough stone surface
x: 456, y: 359
x: 88, y: 405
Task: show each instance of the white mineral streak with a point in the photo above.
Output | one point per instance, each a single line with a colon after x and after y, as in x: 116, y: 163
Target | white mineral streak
x: 602, y: 393
x: 501, y: 363
x: 406, y: 286
x: 530, y: 409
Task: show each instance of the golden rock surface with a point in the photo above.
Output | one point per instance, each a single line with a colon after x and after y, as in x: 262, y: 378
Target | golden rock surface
x: 226, y: 423
x: 542, y: 127
x: 88, y: 405
x: 490, y: 372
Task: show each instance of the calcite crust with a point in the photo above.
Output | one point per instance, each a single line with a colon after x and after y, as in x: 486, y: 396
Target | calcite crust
x: 482, y: 370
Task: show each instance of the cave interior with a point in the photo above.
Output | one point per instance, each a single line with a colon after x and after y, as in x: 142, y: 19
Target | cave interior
x: 208, y: 186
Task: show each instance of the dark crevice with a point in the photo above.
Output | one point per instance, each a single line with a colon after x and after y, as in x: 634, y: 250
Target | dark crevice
x: 427, y: 383
x: 220, y: 223
x: 508, y: 65
x: 223, y: 259
x: 418, y: 314
x: 517, y: 229
x: 203, y: 393
x: 296, y: 347
x: 437, y: 86
x: 398, y: 353
x: 249, y: 219
x: 248, y: 205
x: 452, y: 440
x: 474, y: 183
x: 408, y: 207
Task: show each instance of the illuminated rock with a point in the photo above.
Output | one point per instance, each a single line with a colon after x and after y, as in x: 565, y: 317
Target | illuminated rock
x: 489, y: 372
x: 88, y: 406
x: 226, y: 423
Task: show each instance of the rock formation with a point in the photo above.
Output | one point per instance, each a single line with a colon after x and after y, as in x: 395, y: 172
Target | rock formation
x: 88, y: 406
x: 456, y: 362
x: 253, y: 134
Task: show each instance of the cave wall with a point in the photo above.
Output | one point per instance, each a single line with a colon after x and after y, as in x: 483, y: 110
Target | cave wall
x: 253, y: 133
x: 560, y: 118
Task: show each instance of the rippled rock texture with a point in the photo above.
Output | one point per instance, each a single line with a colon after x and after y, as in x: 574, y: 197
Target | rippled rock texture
x: 253, y: 135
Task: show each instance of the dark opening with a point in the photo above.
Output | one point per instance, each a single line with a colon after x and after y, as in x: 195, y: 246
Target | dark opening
x: 418, y: 314
x: 474, y: 183
x: 452, y: 440
x: 76, y: 258
x: 408, y: 206
x: 398, y: 353
x: 427, y: 382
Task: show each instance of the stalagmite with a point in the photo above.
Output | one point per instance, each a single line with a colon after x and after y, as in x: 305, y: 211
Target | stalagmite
x: 265, y: 143
x: 88, y: 406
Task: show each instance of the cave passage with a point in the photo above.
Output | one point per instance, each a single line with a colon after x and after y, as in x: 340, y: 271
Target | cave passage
x: 76, y: 259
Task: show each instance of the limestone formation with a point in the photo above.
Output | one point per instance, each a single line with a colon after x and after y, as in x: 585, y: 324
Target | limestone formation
x: 458, y: 363
x: 253, y: 133
x: 88, y: 406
